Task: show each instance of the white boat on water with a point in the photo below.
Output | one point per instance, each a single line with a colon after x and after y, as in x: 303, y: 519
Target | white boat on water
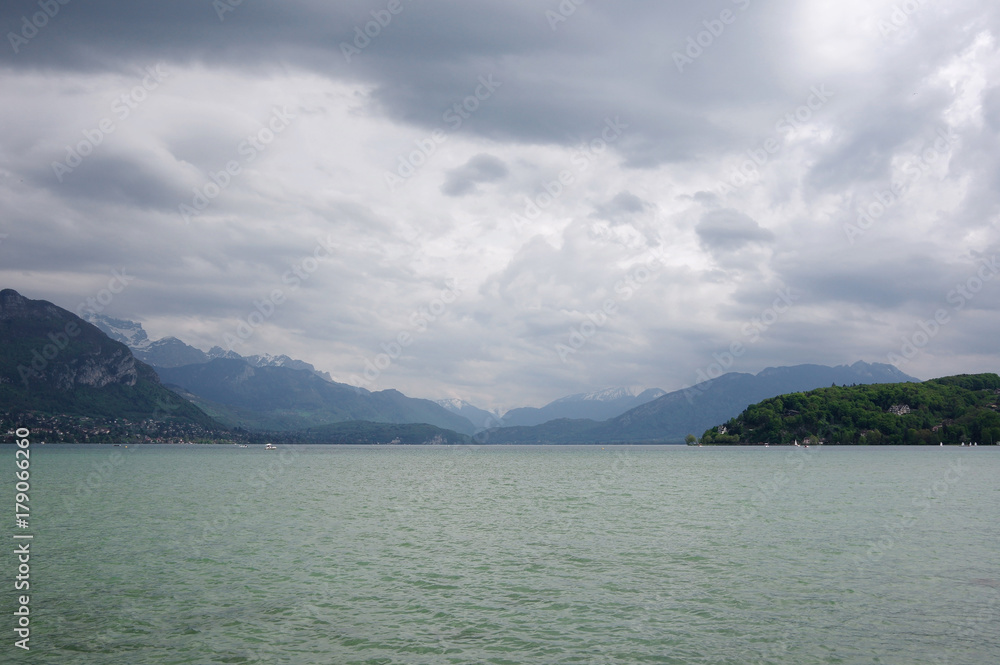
x: 270, y: 446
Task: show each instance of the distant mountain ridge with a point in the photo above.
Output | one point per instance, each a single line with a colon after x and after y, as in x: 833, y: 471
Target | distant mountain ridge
x: 599, y: 405
x: 172, y: 352
x: 480, y: 418
x: 673, y: 416
x: 607, y: 395
x: 271, y: 392
x: 281, y: 398
x: 669, y: 418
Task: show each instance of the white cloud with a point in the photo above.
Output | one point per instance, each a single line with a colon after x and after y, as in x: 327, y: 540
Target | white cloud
x: 533, y: 145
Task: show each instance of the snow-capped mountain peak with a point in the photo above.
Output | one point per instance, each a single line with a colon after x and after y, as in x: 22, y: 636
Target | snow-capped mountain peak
x: 127, y: 332
x: 268, y: 360
x: 480, y: 418
x: 219, y: 352
x: 606, y: 395
x: 173, y: 352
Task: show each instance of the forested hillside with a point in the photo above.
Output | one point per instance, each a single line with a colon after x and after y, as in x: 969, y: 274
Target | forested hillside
x: 951, y: 410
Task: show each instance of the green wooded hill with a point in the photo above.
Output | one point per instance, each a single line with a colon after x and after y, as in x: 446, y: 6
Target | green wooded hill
x: 951, y: 410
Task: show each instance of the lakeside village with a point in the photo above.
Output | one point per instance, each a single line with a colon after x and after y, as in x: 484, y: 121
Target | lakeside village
x: 65, y: 428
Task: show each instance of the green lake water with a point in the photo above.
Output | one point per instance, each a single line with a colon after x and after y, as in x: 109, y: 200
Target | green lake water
x: 519, y: 555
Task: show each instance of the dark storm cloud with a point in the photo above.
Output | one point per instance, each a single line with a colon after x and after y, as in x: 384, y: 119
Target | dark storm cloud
x: 103, y: 35
x: 430, y: 56
x: 117, y: 180
x: 481, y: 168
x: 888, y: 285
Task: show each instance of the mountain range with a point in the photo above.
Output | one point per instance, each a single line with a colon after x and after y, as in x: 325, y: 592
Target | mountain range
x: 280, y: 398
x: 668, y: 419
x: 600, y: 405
x: 270, y: 392
x: 99, y: 369
x: 264, y: 402
x: 172, y: 352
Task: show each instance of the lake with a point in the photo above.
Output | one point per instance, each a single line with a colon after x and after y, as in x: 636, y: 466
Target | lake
x: 509, y: 555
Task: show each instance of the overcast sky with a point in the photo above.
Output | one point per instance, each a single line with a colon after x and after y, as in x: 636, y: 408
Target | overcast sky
x: 531, y: 198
